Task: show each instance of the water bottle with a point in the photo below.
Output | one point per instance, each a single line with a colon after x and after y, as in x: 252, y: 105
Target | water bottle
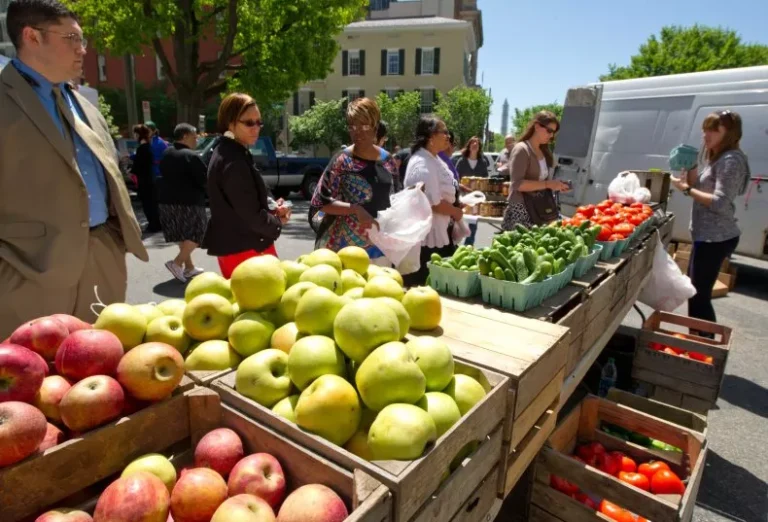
x: 607, y: 378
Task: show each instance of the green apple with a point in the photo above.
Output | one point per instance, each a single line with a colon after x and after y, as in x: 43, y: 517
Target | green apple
x: 351, y: 279
x: 125, y: 321
x: 250, y: 333
x: 355, y: 293
x: 358, y: 444
x: 284, y: 337
x: 435, y: 360
x: 263, y: 377
x: 149, y: 311
x: 373, y: 271
x: 235, y: 309
x: 156, y: 464
x: 363, y: 325
x: 317, y: 310
x: 354, y: 258
x: 330, y: 408
x: 173, y: 307
x: 323, y: 256
x: 290, y: 299
x: 208, y: 283
x: 389, y: 375
x: 274, y: 316
x: 465, y: 390
x: 312, y: 357
x: 293, y: 271
x: 402, y: 314
x: 210, y: 356
x: 325, y: 276
x: 443, y: 410
x: 383, y: 286
x: 393, y: 274
x: 168, y: 329
x: 286, y: 408
x: 424, y: 306
x: 258, y: 283
x: 401, y: 432
x: 208, y: 317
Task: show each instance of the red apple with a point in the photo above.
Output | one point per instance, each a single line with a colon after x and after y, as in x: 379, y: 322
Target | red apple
x: 140, y: 496
x: 64, y: 515
x: 197, y: 495
x: 89, y: 352
x: 42, y: 336
x: 259, y: 474
x: 151, y: 371
x: 92, y: 402
x: 53, y: 437
x: 21, y: 373
x: 72, y: 323
x: 313, y: 503
x: 219, y: 450
x: 22, y: 429
x: 244, y: 508
x: 49, y: 396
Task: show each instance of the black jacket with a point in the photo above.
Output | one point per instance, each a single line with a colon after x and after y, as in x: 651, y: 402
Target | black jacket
x: 142, y: 164
x: 240, y: 217
x: 465, y: 169
x: 184, y: 177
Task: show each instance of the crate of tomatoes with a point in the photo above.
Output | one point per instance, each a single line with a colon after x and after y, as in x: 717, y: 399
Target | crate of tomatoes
x: 618, y: 223
x: 609, y: 461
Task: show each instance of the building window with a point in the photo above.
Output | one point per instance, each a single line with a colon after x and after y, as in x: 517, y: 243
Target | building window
x: 427, y: 100
x: 159, y: 68
x: 379, y: 5
x: 353, y: 94
x: 354, y: 63
x: 102, y: 61
x: 427, y: 61
x: 393, y: 62
x: 392, y: 92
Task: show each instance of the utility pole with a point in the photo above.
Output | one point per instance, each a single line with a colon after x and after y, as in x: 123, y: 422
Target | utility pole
x: 130, y: 91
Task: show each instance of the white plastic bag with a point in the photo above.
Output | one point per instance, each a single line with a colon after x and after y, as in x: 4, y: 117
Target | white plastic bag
x: 402, y: 228
x: 623, y: 187
x: 667, y: 287
x: 473, y: 198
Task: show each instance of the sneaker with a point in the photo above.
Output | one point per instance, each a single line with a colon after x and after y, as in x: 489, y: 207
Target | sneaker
x: 176, y: 270
x: 189, y: 274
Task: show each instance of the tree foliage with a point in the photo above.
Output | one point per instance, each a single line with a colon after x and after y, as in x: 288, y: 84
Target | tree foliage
x: 323, y: 124
x: 496, y: 143
x: 689, y: 49
x: 401, y: 115
x: 106, y: 110
x: 524, y: 116
x: 268, y: 47
x: 465, y: 111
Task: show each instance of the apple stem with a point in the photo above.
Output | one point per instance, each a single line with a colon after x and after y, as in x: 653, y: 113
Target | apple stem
x: 98, y: 304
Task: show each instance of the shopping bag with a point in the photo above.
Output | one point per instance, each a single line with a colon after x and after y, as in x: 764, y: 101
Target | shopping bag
x: 402, y: 227
x: 623, y: 188
x: 667, y: 288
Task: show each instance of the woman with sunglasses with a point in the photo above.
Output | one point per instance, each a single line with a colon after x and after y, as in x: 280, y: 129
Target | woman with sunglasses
x: 441, y: 188
x: 241, y: 225
x: 722, y: 174
x: 529, y: 167
x: 356, y: 185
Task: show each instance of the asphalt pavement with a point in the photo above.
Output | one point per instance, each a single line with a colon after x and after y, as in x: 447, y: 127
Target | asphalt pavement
x: 734, y: 486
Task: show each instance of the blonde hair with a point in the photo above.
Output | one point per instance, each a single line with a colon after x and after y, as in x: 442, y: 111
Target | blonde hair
x: 365, y: 111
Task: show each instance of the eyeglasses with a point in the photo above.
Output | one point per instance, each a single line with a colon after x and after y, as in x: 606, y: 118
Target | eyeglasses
x: 252, y: 123
x: 549, y: 130
x: 75, y: 40
x: 360, y: 128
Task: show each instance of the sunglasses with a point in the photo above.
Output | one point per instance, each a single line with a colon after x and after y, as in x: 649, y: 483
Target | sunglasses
x: 549, y: 130
x: 361, y: 128
x: 252, y: 123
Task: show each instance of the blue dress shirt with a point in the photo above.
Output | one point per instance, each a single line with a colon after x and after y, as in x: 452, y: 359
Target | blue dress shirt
x: 91, y: 169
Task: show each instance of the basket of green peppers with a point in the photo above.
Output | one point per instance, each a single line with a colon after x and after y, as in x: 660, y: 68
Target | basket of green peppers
x: 457, y: 275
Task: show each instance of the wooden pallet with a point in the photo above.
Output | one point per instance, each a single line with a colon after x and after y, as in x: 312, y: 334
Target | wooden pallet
x: 582, y: 425
x: 417, y: 487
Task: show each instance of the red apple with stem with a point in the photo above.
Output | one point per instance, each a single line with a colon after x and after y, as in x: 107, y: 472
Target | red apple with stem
x: 43, y: 336
x: 94, y: 401
x: 259, y: 474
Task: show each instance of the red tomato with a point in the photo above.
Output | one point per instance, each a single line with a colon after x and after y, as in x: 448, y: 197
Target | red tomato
x: 636, y: 479
x: 587, y: 210
x: 637, y: 219
x: 618, y: 206
x: 656, y: 346
x: 625, y: 229
x: 605, y: 233
x: 696, y: 356
x: 616, y: 237
x: 610, y: 462
x: 628, y: 465
x: 562, y: 485
x: 610, y: 211
x: 650, y: 468
x: 578, y: 216
x: 584, y: 499
x: 670, y: 351
x: 636, y: 205
x: 614, y: 512
x: 665, y: 482
x: 589, y: 452
x: 709, y: 360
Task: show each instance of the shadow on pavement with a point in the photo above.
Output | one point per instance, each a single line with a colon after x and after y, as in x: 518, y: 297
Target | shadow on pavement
x: 745, y: 394
x: 171, y: 288
x: 732, y: 490
x: 752, y: 281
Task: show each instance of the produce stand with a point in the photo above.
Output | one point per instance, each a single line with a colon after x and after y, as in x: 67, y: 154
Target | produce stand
x: 495, y: 222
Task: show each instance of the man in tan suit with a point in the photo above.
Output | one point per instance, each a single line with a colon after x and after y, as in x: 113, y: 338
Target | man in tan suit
x: 66, y: 221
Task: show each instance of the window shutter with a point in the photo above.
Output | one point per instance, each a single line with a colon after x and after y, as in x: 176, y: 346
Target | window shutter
x: 345, y: 95
x: 296, y: 103
x: 311, y: 99
x: 362, y: 93
x: 402, y: 62
x: 345, y: 63
x: 383, y: 62
x: 362, y: 63
x: 437, y: 60
x: 418, y: 61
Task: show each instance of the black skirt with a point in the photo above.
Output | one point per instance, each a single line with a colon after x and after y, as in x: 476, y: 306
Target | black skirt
x: 183, y: 223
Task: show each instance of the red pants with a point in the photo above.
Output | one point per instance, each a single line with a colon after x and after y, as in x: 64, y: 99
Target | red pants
x: 227, y: 264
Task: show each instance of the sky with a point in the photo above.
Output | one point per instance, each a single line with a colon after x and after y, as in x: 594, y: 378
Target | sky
x: 534, y: 51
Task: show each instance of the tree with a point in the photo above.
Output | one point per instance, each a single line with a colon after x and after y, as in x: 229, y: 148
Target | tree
x: 401, y: 115
x: 496, y: 143
x: 106, y: 110
x: 465, y: 111
x: 523, y: 117
x: 268, y: 47
x: 689, y: 49
x: 323, y: 124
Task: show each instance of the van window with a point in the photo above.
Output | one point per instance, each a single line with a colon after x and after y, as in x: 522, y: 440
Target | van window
x: 575, y: 133
x: 259, y: 150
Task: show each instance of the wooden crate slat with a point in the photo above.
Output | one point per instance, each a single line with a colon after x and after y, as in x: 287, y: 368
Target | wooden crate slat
x: 559, y: 507
x: 692, y: 490
x: 719, y: 353
x: 685, y: 387
x: 640, y: 453
x: 680, y: 416
x: 525, y: 422
x: 205, y: 377
x: 479, y: 504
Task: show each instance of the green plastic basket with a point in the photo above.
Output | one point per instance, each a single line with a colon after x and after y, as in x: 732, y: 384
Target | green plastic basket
x: 608, y: 248
x: 560, y: 281
x: 513, y: 296
x: 454, y: 282
x: 586, y: 263
x: 621, y: 246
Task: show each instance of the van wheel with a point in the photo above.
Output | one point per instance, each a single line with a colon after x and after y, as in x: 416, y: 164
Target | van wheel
x: 309, y: 185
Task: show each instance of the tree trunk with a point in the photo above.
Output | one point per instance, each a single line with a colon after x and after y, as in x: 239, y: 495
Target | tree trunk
x: 188, y: 109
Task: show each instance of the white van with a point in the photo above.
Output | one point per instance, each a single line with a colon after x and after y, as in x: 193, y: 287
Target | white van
x: 634, y: 124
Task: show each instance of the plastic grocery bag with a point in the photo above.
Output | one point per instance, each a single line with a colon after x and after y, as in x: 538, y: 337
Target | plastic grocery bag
x: 402, y: 228
x: 667, y: 287
x: 623, y: 188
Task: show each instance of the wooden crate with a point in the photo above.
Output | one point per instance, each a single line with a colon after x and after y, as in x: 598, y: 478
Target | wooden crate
x: 413, y: 483
x: 205, y: 378
x: 199, y: 411
x: 688, y: 419
x: 676, y: 380
x: 582, y: 425
x: 665, y: 229
x: 657, y: 182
